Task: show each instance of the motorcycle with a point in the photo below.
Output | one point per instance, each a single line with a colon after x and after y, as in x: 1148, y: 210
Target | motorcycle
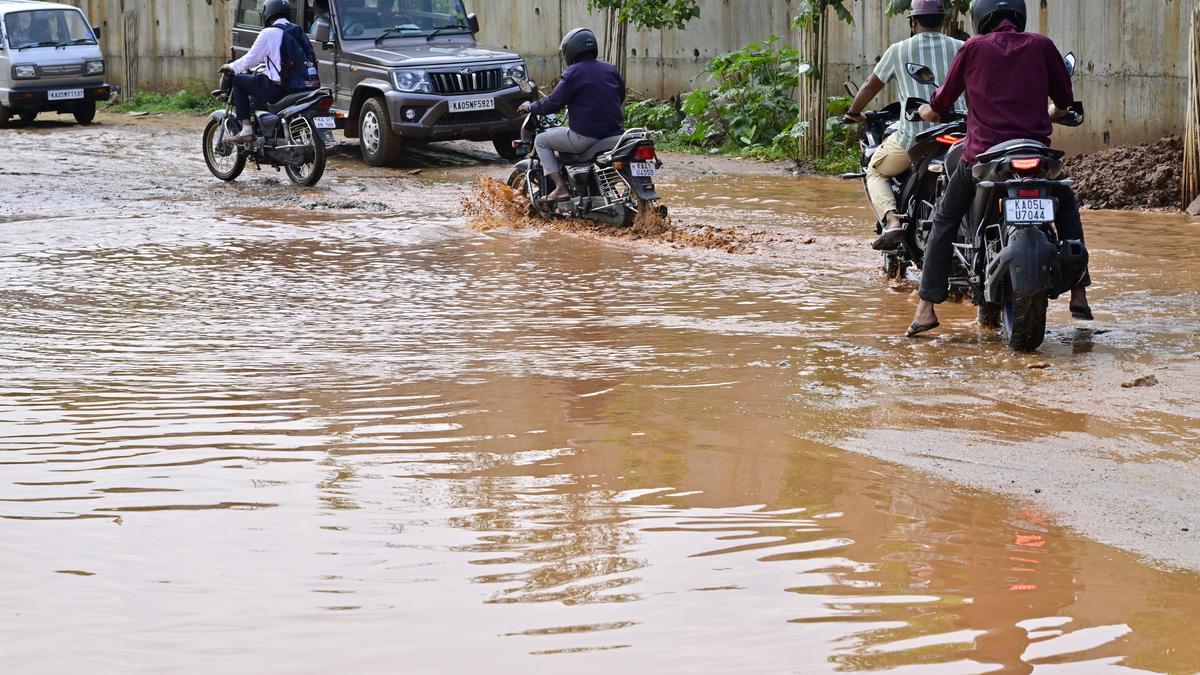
x: 916, y: 190
x: 611, y: 182
x: 291, y: 133
x: 1009, y: 258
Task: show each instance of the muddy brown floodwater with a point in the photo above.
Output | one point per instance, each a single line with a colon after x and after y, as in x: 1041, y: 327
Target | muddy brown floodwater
x: 254, y: 429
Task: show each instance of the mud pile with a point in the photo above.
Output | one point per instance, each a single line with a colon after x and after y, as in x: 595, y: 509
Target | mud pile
x: 493, y: 204
x: 1147, y: 175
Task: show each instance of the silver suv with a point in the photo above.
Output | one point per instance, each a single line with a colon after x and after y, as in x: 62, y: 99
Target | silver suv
x: 50, y: 62
x: 405, y: 71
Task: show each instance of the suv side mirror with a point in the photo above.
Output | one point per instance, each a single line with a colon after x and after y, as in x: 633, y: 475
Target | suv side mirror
x: 96, y: 32
x: 321, y: 34
x: 473, y: 23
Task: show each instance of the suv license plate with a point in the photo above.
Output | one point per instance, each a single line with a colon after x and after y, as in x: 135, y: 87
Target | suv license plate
x: 473, y: 104
x: 642, y: 169
x: 64, y: 94
x: 325, y: 122
x: 1028, y: 210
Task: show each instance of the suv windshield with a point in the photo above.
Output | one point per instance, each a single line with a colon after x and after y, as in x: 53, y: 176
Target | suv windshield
x: 370, y: 19
x: 47, y: 28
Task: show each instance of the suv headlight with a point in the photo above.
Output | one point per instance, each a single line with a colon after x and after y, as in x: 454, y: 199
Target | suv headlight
x: 412, y: 81
x: 25, y: 72
x: 513, y: 73
x: 94, y: 68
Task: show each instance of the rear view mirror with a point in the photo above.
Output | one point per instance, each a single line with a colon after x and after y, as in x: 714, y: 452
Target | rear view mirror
x: 921, y: 74
x: 96, y: 32
x: 805, y: 69
x: 1069, y: 61
x: 321, y: 33
x: 527, y: 86
x: 473, y: 23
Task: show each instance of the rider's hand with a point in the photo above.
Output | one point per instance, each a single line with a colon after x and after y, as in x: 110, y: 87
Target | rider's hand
x: 225, y: 69
x: 928, y: 114
x: 524, y: 107
x: 1055, y: 113
x: 854, y: 118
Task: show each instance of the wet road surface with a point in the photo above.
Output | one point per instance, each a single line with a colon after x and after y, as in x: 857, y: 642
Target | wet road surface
x: 254, y: 429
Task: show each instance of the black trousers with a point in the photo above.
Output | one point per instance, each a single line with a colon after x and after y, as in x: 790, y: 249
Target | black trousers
x: 263, y: 89
x: 955, y: 203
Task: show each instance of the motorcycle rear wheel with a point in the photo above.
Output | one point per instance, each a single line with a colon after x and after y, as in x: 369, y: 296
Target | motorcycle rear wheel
x: 303, y: 133
x: 227, y: 166
x: 1023, y: 322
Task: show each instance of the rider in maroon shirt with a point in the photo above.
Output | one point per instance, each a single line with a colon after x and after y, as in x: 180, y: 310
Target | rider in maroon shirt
x: 1008, y: 76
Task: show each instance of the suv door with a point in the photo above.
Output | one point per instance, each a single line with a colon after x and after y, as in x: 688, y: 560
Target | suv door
x: 246, y: 25
x: 326, y: 58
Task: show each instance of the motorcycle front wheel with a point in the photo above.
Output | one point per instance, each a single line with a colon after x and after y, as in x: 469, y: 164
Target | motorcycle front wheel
x: 222, y: 157
x: 302, y: 132
x: 528, y: 186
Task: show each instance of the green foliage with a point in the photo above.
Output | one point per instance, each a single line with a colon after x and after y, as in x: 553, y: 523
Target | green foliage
x: 651, y: 114
x: 183, y: 101
x: 650, y: 14
x: 809, y: 10
x: 841, y: 139
x: 900, y: 6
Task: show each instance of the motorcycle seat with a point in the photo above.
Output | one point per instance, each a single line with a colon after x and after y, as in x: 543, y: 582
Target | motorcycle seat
x: 1019, y: 145
x: 293, y: 99
x: 602, y: 145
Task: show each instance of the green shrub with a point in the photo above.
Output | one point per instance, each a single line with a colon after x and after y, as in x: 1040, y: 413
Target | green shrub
x: 651, y: 114
x: 183, y: 101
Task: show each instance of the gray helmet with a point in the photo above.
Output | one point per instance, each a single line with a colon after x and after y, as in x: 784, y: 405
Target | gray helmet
x: 987, y: 14
x: 926, y: 8
x: 274, y: 9
x: 578, y: 43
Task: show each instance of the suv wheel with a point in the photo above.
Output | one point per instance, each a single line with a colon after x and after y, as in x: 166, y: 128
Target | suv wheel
x: 380, y: 147
x: 504, y: 147
x: 28, y: 116
x: 5, y: 113
x: 86, y: 112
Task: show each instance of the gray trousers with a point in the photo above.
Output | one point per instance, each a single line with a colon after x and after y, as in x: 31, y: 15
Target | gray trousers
x: 561, y: 139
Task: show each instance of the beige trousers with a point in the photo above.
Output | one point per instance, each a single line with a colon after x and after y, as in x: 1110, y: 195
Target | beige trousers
x: 890, y: 159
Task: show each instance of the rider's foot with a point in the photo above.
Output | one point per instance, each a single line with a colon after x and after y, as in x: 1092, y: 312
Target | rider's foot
x: 1080, y: 309
x: 558, y: 195
x: 893, y: 235
x: 244, y: 136
x: 924, y: 320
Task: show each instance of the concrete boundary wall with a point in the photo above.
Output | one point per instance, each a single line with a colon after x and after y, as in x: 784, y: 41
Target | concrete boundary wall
x: 1132, y: 53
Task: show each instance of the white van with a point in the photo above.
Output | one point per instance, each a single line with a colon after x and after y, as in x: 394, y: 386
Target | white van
x: 50, y: 61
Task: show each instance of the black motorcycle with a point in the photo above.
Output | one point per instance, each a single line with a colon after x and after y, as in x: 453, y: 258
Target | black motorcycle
x: 1009, y: 258
x: 611, y: 182
x: 291, y: 133
x: 916, y: 190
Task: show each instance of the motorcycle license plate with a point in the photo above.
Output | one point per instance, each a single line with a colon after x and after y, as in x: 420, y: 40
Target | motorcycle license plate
x: 642, y: 169
x: 1028, y: 210
x: 325, y: 122
x: 473, y: 104
x: 64, y: 94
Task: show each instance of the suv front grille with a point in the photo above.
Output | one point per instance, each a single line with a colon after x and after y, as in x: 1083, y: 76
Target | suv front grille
x: 466, y: 83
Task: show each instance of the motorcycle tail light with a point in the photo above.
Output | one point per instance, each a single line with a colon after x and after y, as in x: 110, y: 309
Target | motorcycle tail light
x: 324, y: 105
x: 644, y: 153
x: 1029, y: 192
x: 948, y: 139
x: 1026, y: 164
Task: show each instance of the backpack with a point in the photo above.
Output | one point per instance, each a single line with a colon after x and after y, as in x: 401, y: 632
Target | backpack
x: 298, y: 61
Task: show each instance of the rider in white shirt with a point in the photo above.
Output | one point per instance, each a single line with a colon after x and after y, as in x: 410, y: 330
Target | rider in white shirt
x: 265, y: 88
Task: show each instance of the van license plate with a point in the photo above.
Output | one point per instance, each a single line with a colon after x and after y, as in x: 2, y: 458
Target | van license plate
x: 1028, y: 210
x: 472, y: 105
x: 325, y: 122
x: 642, y: 169
x: 64, y: 94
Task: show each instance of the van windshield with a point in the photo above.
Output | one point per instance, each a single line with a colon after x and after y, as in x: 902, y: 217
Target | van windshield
x: 371, y: 19
x: 47, y: 28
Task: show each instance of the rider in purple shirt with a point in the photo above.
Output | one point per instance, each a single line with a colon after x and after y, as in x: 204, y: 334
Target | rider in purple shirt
x: 594, y: 92
x: 1008, y: 75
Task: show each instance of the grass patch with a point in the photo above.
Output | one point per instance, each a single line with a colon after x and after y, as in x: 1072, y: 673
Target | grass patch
x: 184, y: 101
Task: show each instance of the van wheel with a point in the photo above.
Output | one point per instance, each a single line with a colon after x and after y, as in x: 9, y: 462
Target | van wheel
x: 28, y: 116
x: 380, y: 147
x: 85, y: 112
x: 5, y: 113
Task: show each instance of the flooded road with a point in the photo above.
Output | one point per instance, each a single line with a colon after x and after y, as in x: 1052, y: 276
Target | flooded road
x: 252, y: 429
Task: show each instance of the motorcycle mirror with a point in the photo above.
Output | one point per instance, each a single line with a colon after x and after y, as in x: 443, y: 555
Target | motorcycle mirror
x: 527, y: 86
x: 851, y: 88
x: 921, y: 74
x: 1069, y: 61
x: 912, y: 109
x: 805, y: 69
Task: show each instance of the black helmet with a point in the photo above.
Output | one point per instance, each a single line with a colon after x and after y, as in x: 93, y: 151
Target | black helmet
x: 987, y: 14
x: 578, y: 43
x: 274, y: 9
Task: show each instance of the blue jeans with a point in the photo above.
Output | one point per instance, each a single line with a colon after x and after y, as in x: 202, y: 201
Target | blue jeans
x: 263, y: 89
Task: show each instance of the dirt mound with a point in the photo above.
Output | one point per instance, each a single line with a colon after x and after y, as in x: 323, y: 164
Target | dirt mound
x: 1147, y: 175
x: 494, y: 204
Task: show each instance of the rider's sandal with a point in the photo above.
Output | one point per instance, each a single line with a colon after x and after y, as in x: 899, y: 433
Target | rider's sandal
x: 889, y: 240
x: 917, y: 328
x: 1083, y: 313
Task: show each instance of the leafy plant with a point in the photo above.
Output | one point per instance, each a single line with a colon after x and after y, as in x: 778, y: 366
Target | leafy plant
x: 651, y: 114
x: 650, y: 14
x: 897, y: 6
x: 188, y: 100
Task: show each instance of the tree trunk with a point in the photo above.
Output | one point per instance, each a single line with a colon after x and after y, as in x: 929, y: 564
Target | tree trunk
x: 814, y: 49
